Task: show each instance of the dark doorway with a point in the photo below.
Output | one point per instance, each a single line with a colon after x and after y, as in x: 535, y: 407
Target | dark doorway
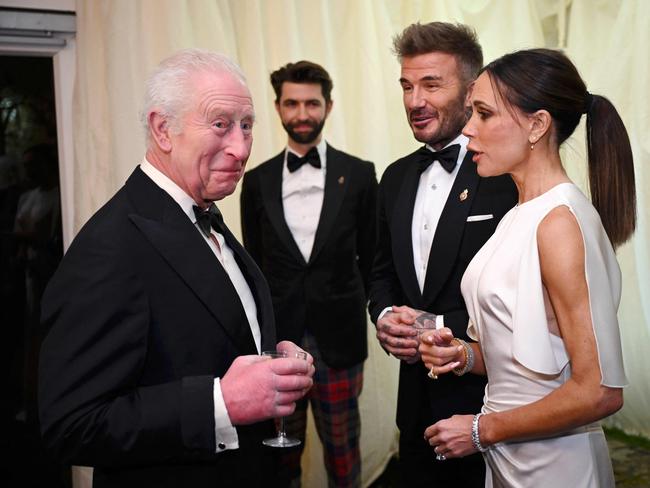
x: 30, y: 250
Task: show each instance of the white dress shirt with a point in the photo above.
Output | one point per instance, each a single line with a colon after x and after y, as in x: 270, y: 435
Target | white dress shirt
x: 302, y: 199
x: 432, y: 194
x: 226, y: 434
x: 433, y: 191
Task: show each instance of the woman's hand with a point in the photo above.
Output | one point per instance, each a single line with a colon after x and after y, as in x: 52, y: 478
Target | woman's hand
x: 439, y: 354
x: 452, y: 437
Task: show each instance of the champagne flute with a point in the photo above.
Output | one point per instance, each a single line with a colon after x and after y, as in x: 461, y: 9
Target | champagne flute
x: 281, y: 439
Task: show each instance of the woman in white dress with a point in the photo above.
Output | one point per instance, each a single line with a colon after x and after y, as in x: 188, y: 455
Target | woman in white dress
x: 543, y: 292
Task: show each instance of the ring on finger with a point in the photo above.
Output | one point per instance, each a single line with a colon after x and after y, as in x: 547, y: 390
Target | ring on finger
x: 431, y: 374
x: 440, y: 457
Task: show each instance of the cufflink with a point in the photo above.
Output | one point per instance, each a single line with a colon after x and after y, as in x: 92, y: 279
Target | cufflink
x: 221, y: 446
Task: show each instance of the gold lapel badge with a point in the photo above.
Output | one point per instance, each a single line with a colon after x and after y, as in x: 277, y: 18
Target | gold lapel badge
x: 341, y: 180
x: 463, y: 195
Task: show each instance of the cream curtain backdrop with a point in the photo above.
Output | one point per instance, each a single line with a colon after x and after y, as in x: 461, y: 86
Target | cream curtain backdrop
x: 120, y: 41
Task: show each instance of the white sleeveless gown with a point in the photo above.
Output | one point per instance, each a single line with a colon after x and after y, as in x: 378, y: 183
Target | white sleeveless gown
x: 511, y: 317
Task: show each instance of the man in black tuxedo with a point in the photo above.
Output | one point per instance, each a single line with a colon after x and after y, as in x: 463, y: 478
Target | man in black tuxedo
x: 434, y: 213
x: 308, y: 219
x: 151, y: 372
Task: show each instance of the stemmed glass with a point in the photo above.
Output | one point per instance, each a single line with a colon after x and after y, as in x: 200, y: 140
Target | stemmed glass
x: 281, y: 439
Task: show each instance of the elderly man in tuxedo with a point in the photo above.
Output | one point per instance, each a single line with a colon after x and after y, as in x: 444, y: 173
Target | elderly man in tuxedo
x: 308, y: 219
x: 151, y: 372
x: 434, y: 214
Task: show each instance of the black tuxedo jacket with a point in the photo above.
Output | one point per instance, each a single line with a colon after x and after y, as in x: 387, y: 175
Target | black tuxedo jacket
x: 326, y: 295
x: 143, y: 318
x: 421, y: 401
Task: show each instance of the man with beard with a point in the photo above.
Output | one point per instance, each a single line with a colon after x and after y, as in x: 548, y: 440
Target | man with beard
x: 308, y: 219
x: 434, y: 213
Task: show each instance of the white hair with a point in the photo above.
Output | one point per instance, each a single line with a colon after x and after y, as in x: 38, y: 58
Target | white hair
x: 167, y: 88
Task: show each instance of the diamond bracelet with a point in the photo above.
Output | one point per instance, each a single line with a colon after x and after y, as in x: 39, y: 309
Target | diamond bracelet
x: 476, y: 440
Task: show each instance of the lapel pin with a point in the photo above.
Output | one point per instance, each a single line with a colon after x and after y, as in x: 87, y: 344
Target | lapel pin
x: 463, y: 195
x: 341, y: 180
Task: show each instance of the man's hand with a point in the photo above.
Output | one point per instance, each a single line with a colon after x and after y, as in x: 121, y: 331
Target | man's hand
x: 290, y: 349
x: 397, y: 335
x: 257, y: 388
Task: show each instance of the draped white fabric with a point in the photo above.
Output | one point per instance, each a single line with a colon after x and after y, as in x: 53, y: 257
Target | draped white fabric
x: 120, y: 41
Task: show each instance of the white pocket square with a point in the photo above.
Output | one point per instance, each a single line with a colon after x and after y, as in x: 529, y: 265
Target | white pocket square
x: 478, y: 218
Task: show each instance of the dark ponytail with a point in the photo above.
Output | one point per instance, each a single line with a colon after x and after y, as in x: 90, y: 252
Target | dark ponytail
x: 611, y: 170
x: 544, y: 79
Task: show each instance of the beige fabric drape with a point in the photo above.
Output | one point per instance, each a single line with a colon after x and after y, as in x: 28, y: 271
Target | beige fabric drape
x: 609, y: 42
x: 118, y: 42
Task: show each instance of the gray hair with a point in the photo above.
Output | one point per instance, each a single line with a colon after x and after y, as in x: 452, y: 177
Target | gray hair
x: 167, y: 88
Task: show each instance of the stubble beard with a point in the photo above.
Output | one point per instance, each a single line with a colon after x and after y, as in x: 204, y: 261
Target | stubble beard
x: 455, y: 116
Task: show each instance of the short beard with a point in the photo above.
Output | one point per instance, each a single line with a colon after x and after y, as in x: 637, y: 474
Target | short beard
x: 305, y: 138
x: 457, y: 116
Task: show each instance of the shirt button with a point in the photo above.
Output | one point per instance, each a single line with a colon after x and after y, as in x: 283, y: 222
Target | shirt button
x: 426, y: 226
x: 221, y: 446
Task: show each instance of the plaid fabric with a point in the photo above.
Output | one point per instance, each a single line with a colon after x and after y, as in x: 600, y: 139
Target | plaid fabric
x: 334, y: 402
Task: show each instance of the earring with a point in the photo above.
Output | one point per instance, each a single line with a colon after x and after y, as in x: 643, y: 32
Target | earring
x: 532, y: 146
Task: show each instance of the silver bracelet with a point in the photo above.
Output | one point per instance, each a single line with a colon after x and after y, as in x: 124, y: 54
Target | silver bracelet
x: 476, y: 440
x: 469, y: 358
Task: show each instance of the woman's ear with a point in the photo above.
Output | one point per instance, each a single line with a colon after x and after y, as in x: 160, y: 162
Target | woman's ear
x: 159, y: 129
x: 539, y: 125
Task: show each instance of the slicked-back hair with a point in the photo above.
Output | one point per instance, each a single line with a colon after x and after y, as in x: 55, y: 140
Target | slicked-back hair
x: 302, y: 72
x: 546, y: 79
x: 458, y: 40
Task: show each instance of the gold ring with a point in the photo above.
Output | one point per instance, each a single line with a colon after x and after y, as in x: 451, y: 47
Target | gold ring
x: 432, y: 375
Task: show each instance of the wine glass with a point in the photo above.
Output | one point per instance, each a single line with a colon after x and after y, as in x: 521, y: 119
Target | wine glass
x: 281, y: 439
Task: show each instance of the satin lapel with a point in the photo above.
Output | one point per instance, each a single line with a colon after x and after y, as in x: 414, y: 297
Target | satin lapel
x: 259, y: 288
x: 400, y: 230
x: 174, y: 236
x: 336, y: 184
x: 271, y: 188
x: 451, y: 226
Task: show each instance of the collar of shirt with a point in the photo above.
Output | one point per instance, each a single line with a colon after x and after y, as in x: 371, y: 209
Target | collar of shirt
x: 462, y: 141
x: 163, y: 181
x: 306, y: 177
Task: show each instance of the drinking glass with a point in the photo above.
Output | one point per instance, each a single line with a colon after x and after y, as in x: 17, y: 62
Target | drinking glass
x: 281, y: 439
x: 425, y: 321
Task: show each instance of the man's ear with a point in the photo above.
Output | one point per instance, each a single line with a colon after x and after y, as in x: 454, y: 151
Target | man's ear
x: 159, y: 129
x: 468, y: 94
x: 539, y: 124
x: 277, y: 106
x: 328, y: 107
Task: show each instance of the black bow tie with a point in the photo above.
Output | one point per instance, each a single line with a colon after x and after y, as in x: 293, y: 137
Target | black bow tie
x: 210, y: 218
x: 294, y: 161
x: 447, y: 157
